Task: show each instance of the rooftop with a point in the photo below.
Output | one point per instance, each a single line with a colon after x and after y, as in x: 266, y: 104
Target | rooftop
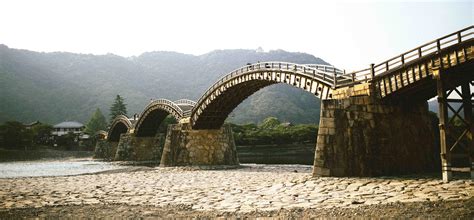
x: 69, y: 124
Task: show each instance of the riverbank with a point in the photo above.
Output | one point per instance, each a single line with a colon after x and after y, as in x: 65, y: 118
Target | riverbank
x: 41, y: 154
x: 284, y: 191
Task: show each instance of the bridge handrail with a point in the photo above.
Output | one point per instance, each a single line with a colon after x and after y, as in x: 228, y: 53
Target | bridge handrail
x: 325, y: 68
x: 326, y: 77
x: 426, y: 49
x: 185, y: 102
x: 118, y: 118
x: 163, y: 101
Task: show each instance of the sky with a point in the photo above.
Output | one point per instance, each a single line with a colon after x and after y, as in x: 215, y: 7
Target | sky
x: 347, y: 34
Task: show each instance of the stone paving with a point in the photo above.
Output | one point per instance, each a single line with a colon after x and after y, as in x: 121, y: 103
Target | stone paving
x: 252, y: 188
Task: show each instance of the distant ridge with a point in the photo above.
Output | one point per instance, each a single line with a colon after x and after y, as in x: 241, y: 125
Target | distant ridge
x: 52, y: 87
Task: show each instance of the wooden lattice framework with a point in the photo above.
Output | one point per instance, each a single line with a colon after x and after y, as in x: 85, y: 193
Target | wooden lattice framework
x: 456, y: 132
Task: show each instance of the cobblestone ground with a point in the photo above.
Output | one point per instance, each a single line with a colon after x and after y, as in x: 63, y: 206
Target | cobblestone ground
x: 248, y: 189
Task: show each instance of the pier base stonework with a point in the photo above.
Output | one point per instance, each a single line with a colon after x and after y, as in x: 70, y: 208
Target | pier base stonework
x: 359, y: 137
x: 185, y: 146
x: 105, y: 150
x: 133, y: 148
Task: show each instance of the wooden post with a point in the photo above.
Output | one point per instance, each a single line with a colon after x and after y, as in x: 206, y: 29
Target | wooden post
x: 334, y: 79
x: 467, y: 103
x: 443, y: 119
x: 372, y: 70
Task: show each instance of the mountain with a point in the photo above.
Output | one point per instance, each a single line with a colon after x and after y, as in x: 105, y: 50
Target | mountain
x: 434, y: 107
x: 59, y: 86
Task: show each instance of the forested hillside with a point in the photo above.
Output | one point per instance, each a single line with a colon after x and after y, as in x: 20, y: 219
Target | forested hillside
x: 53, y: 87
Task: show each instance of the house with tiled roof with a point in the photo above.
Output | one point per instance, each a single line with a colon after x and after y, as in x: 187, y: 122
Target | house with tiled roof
x: 67, y: 127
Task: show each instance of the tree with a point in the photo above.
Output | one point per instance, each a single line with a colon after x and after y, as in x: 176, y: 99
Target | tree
x: 270, y: 123
x: 118, y: 108
x: 96, y: 123
x: 164, y: 124
x: 42, y: 133
x: 14, y: 135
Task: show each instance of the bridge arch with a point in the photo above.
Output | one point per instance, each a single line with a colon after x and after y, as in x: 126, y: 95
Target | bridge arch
x: 120, y: 125
x: 186, y: 105
x: 153, y: 114
x: 227, y: 93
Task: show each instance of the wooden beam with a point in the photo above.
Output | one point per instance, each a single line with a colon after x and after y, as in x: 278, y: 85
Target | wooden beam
x: 468, y: 117
x: 443, y: 118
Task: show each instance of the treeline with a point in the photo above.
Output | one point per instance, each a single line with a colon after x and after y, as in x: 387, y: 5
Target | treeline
x: 273, y: 131
x: 15, y: 135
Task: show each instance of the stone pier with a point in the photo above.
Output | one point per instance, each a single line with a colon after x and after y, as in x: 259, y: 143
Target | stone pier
x: 131, y: 148
x: 105, y: 150
x: 359, y: 136
x: 185, y: 146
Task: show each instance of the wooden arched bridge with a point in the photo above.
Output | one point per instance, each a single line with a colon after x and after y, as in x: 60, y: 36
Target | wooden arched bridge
x: 373, y: 122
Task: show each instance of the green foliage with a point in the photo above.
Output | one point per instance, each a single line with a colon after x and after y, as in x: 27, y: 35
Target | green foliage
x: 42, y: 133
x: 96, y: 123
x: 272, y: 131
x: 270, y: 123
x: 14, y: 135
x: 117, y: 108
x: 164, y: 125
x: 68, y: 141
x: 458, y: 122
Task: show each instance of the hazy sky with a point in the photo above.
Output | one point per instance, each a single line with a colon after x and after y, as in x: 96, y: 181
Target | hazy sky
x: 346, y: 34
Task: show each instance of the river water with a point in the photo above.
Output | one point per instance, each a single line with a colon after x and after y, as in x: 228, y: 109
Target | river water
x: 54, y: 168
x: 262, y: 154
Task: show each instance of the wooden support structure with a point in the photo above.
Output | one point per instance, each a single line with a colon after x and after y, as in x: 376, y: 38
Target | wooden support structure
x: 456, y: 133
x: 443, y: 117
x: 468, y: 97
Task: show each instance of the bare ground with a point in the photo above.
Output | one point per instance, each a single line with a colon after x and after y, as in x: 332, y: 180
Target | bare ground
x: 441, y: 209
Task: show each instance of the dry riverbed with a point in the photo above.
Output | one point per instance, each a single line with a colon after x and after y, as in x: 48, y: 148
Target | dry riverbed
x: 250, y: 191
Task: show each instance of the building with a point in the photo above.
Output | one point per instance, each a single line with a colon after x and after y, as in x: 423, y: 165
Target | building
x: 32, y: 124
x: 66, y: 127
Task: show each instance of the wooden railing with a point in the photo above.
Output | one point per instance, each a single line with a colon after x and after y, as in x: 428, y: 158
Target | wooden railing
x: 337, y: 78
x: 410, y: 56
x: 186, y: 113
x: 325, y: 68
x: 328, y: 75
x: 185, y: 102
x: 166, y: 102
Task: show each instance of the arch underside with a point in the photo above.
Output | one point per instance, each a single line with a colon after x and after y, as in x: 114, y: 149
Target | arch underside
x: 117, y: 129
x: 121, y: 124
x: 151, y: 119
x: 218, y: 110
x: 212, y: 111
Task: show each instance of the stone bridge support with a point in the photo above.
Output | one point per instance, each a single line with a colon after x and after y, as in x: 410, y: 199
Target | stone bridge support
x: 105, y: 150
x: 187, y: 147
x: 132, y: 148
x: 359, y: 136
